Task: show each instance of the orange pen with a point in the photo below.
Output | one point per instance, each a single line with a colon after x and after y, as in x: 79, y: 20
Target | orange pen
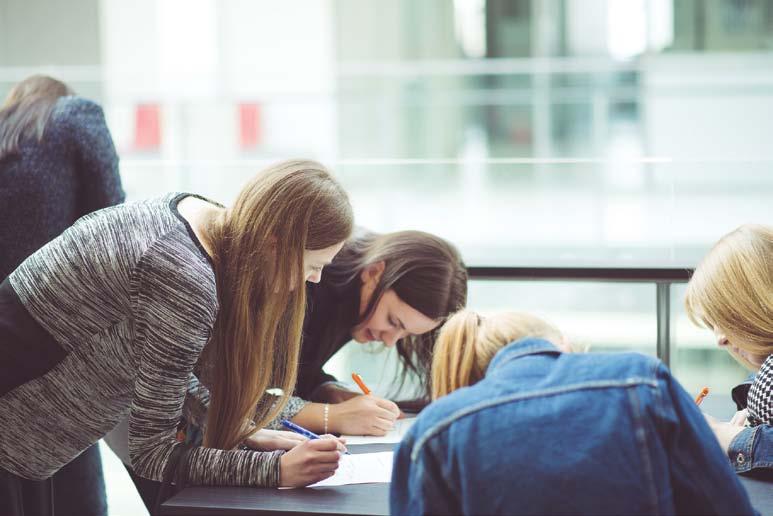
x: 699, y: 398
x: 358, y: 380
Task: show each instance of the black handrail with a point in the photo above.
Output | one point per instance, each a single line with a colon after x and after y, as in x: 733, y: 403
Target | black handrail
x: 661, y: 277
x: 640, y: 275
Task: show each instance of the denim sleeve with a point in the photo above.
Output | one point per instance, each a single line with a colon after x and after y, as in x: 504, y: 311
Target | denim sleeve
x: 752, y: 449
x: 418, y: 486
x: 702, y: 480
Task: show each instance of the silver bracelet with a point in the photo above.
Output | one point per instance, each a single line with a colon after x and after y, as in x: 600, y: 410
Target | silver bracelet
x: 325, y: 415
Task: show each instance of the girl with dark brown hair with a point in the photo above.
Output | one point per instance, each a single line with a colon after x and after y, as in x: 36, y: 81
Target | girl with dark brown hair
x: 393, y: 288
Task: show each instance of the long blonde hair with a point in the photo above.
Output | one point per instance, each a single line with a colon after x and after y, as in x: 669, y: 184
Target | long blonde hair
x: 732, y: 289
x: 258, y: 249
x: 468, y: 342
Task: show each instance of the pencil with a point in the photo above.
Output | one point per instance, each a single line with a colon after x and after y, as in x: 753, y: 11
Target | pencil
x: 358, y: 380
x: 699, y: 398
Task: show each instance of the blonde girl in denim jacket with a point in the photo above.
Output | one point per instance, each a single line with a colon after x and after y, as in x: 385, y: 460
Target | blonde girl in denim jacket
x: 520, y: 425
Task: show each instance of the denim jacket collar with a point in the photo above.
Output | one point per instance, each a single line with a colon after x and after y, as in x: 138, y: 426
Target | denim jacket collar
x: 521, y: 348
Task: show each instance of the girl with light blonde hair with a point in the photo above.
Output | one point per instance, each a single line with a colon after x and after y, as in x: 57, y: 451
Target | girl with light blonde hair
x: 468, y: 342
x: 731, y: 293
x: 596, y: 433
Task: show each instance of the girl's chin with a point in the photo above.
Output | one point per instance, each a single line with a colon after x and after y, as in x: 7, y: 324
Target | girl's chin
x: 754, y: 360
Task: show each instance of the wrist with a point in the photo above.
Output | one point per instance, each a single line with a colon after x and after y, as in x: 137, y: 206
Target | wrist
x: 334, y: 419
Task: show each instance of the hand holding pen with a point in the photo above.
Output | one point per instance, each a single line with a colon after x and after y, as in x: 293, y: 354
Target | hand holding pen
x: 298, y: 429
x: 314, y: 460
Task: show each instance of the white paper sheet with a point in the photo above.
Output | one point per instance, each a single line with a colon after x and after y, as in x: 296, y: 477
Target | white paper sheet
x: 361, y: 468
x: 395, y: 435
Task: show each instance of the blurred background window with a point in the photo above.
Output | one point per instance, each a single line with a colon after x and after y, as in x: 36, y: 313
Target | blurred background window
x: 562, y: 133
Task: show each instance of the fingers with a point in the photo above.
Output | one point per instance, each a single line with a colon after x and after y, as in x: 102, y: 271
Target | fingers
x: 328, y: 457
x: 389, y: 406
x: 327, y: 443
x: 309, y: 462
x: 382, y: 425
x: 288, y: 444
x: 341, y: 442
x: 292, y: 436
x: 385, y: 415
x: 739, y: 419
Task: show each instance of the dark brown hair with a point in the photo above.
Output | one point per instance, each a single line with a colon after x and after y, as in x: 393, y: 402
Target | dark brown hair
x: 424, y: 270
x: 27, y: 109
x: 258, y: 247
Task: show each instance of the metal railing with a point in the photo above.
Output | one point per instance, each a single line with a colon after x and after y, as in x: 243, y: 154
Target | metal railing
x: 662, y: 278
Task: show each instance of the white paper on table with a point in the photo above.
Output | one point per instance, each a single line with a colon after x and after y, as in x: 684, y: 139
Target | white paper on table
x: 361, y: 468
x: 395, y: 435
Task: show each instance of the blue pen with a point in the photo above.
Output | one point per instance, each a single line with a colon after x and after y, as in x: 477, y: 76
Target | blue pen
x: 300, y: 430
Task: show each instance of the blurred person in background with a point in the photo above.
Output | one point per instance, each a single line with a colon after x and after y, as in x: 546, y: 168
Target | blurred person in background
x: 731, y: 293
x: 57, y: 163
x: 520, y: 424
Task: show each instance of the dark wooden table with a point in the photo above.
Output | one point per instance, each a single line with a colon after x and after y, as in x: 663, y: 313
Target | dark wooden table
x: 367, y: 499
x: 373, y: 499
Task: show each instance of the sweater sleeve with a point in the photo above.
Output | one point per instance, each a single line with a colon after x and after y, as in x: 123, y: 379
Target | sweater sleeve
x: 175, y: 306
x: 99, y: 183
x: 294, y: 405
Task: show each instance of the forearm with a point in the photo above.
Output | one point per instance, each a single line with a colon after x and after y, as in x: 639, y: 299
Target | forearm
x: 312, y: 417
x: 208, y: 466
x: 291, y: 410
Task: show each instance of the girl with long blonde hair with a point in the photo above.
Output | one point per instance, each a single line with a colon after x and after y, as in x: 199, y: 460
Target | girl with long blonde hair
x: 731, y: 293
x: 133, y: 305
x: 520, y: 424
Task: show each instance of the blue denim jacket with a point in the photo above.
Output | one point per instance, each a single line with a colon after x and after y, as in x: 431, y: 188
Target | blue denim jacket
x: 752, y: 448
x: 551, y: 432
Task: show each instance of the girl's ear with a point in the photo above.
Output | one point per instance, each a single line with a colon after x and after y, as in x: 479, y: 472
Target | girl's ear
x: 372, y: 273
x: 370, y: 276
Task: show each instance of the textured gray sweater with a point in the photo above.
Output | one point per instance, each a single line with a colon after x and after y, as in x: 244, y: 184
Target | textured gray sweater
x: 129, y: 294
